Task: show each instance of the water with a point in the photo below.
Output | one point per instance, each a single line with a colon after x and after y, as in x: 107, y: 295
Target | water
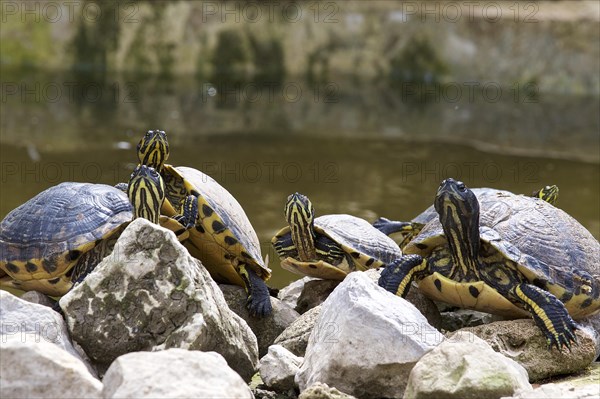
x: 367, y: 152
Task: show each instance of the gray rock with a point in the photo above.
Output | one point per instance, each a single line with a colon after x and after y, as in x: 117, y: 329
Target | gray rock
x: 314, y: 293
x: 31, y: 322
x: 295, y: 337
x: 457, y: 319
x: 465, y: 367
x: 173, y: 373
x: 267, y: 328
x: 591, y: 326
x: 278, y: 368
x: 319, y: 390
x: 38, y: 298
x: 522, y: 341
x: 151, y: 294
x: 290, y: 293
x: 425, y: 305
x: 41, y: 369
x: 366, y: 341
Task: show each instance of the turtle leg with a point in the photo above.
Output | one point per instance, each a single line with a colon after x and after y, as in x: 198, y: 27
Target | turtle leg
x: 387, y: 226
x: 549, y: 314
x: 189, y: 212
x: 259, y: 300
x: 397, y: 276
x: 122, y: 186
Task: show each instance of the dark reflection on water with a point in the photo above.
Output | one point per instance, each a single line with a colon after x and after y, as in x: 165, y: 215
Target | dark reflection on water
x: 352, y: 148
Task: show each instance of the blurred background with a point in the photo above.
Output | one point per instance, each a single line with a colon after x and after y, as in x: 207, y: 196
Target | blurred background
x: 364, y: 106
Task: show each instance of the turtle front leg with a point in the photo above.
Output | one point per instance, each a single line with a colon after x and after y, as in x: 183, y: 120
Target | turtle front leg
x: 397, y: 276
x: 259, y: 300
x: 189, y: 212
x: 549, y: 314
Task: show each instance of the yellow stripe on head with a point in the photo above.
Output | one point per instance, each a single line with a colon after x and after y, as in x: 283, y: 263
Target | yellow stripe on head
x: 146, y: 193
x: 548, y: 194
x: 153, y: 149
x: 300, y: 216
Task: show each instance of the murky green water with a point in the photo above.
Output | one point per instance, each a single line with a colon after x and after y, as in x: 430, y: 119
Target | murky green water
x: 368, y: 153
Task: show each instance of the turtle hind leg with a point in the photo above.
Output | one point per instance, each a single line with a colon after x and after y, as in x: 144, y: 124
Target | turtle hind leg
x: 387, y: 226
x: 549, y: 314
x: 397, y: 276
x: 259, y: 299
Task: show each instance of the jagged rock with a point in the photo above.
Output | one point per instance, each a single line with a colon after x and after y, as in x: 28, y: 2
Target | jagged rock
x: 314, y: 293
x: 460, y: 318
x: 173, y: 373
x: 295, y: 337
x: 151, y: 294
x: 522, y: 341
x: 319, y: 390
x: 425, y: 305
x: 292, y: 291
x: 465, y: 367
x: 267, y: 328
x: 31, y: 322
x: 41, y: 369
x: 38, y: 298
x: 366, y: 341
x: 279, y: 367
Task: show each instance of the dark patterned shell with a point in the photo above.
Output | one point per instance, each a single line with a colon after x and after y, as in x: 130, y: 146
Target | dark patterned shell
x: 228, y: 209
x: 545, y: 240
x: 360, y: 235
x: 62, y: 218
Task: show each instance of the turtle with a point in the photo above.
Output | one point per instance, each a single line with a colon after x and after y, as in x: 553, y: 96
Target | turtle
x: 329, y: 246
x: 411, y: 229
x: 506, y: 254
x: 56, y: 238
x: 220, y: 233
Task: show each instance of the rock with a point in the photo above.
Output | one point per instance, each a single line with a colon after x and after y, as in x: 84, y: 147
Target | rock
x: 173, y: 373
x: 591, y: 326
x: 38, y: 298
x: 366, y: 341
x: 465, y: 366
x: 267, y: 328
x: 425, y: 305
x: 457, y: 319
x: 314, y: 293
x: 41, y: 369
x: 295, y: 337
x: 31, y: 322
x: 292, y: 291
x: 150, y: 294
x: 279, y: 367
x: 319, y: 390
x: 583, y: 386
x: 522, y: 341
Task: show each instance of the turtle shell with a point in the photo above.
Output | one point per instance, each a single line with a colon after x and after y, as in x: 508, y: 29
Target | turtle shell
x: 42, y: 240
x: 365, y: 246
x: 548, y: 247
x: 223, y: 236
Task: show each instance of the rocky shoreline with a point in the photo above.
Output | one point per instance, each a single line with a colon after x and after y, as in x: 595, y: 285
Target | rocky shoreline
x: 150, y: 322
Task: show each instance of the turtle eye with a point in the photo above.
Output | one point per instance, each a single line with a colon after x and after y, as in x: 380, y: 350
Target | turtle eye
x: 461, y: 187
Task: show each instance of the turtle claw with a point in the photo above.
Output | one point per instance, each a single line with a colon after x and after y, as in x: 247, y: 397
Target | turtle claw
x: 259, y: 307
x: 563, y: 337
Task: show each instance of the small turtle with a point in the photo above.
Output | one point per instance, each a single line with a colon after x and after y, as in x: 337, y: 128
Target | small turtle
x: 505, y: 254
x: 220, y: 233
x: 55, y: 239
x: 329, y: 246
x: 410, y: 230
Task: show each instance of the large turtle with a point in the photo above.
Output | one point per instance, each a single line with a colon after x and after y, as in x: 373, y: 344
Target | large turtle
x: 329, y: 246
x: 506, y: 254
x: 410, y: 230
x: 55, y: 239
x: 221, y: 234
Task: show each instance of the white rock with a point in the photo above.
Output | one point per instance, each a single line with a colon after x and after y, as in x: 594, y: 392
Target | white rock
x: 319, y: 390
x: 465, y: 367
x: 151, y: 294
x: 366, y: 341
x: 291, y: 292
x: 31, y: 322
x: 42, y: 369
x: 559, y: 391
x: 295, y: 337
x: 173, y: 373
x: 279, y: 367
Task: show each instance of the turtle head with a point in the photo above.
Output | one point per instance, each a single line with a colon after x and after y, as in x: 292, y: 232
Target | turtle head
x: 146, y: 192
x: 458, y: 209
x: 153, y: 149
x: 548, y: 194
x: 300, y: 216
